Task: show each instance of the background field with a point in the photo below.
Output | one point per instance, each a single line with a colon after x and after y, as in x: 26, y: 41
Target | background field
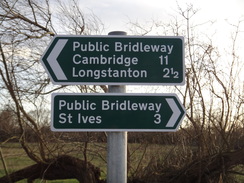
x: 142, y: 158
x: 139, y: 157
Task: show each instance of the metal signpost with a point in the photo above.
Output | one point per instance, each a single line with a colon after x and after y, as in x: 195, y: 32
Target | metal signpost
x: 117, y: 149
x: 116, y: 60
x: 117, y: 142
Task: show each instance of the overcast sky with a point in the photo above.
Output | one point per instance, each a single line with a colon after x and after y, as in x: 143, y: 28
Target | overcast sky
x: 115, y: 14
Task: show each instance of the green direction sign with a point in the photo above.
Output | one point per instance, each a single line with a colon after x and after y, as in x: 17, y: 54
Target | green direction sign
x: 115, y: 60
x: 116, y: 112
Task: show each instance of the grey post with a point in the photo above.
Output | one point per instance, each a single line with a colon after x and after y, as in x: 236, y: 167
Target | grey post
x: 117, y: 144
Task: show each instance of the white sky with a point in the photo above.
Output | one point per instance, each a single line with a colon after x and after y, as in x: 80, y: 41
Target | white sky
x: 117, y: 13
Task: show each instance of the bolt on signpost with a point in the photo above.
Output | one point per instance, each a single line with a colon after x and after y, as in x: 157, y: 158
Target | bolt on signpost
x: 116, y: 60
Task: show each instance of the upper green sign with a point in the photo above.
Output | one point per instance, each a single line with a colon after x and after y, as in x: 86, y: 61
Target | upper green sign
x: 122, y: 60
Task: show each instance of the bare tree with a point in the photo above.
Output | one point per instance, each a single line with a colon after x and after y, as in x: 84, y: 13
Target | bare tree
x: 213, y: 93
x: 26, y: 28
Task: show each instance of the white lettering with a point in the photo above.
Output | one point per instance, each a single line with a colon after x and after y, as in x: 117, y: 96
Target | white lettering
x: 105, y: 105
x: 62, y: 117
x: 76, y: 45
x: 90, y: 46
x: 74, y: 59
x: 170, y: 48
x: 89, y: 119
x: 65, y: 118
x: 61, y: 104
x: 158, y: 106
x: 118, y: 46
x: 128, y: 105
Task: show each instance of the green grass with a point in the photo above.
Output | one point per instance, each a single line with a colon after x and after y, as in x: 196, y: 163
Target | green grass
x: 53, y: 181
x: 16, y: 158
x: 140, y: 156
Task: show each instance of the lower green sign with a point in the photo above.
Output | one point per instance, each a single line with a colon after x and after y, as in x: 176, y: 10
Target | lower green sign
x: 116, y: 112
